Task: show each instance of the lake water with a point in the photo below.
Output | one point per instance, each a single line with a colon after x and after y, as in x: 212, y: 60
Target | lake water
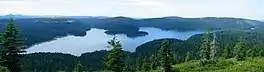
x: 96, y: 39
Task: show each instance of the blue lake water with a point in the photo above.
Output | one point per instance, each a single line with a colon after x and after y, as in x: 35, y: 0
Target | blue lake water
x: 96, y: 39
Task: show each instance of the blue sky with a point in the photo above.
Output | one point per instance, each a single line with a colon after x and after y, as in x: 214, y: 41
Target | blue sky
x: 252, y: 9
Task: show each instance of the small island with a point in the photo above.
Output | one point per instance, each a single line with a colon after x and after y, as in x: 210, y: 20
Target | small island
x: 131, y: 34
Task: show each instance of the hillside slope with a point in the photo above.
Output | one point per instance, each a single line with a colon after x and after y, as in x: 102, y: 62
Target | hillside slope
x: 38, y: 30
x: 224, y: 65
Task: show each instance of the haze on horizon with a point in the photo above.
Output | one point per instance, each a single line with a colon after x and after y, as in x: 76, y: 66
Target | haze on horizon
x: 250, y: 9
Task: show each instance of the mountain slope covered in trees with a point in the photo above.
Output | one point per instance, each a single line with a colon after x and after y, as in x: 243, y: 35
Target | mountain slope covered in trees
x: 94, y: 61
x: 42, y: 29
x: 212, y: 51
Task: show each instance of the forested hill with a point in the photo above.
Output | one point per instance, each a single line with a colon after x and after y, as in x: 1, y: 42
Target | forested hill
x: 94, y: 61
x: 182, y: 24
x: 40, y: 29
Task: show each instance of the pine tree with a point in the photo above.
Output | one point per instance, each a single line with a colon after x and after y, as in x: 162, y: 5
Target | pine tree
x: 214, y: 49
x: 240, y: 52
x: 205, y: 46
x: 79, y: 67
x: 255, y: 51
x: 250, y: 52
x: 166, y: 56
x: 188, y: 56
x: 114, y: 60
x: 11, y: 47
x: 128, y: 66
x: 175, y: 58
x: 228, y: 51
x: 4, y: 69
x: 154, y: 61
x: 138, y: 64
x: 145, y: 65
x: 261, y: 52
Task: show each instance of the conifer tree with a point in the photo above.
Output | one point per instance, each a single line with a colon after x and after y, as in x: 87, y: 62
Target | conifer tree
x: 11, y: 47
x: 205, y: 47
x: 4, y: 69
x: 145, y: 64
x: 175, y: 58
x: 188, y: 56
x: 128, y: 66
x: 79, y: 67
x: 260, y: 52
x: 240, y: 52
x: 250, y: 52
x: 214, y: 48
x: 154, y: 61
x: 255, y: 51
x: 166, y: 56
x: 114, y: 60
x: 228, y: 51
x: 138, y: 64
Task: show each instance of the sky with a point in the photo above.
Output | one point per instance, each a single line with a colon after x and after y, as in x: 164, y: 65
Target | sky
x: 251, y: 9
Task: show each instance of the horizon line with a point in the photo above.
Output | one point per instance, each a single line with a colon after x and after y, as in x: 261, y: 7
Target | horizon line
x: 54, y: 15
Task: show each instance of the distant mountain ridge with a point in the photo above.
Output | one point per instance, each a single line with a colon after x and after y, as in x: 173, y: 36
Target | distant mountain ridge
x: 103, y: 17
x: 35, y: 27
x: 183, y: 24
x: 153, y: 22
x: 19, y: 16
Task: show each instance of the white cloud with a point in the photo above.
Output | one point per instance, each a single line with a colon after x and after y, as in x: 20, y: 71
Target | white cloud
x: 141, y: 2
x: 14, y: 2
x: 137, y: 8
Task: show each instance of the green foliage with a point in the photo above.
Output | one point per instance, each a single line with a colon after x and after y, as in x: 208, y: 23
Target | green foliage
x: 129, y: 66
x: 79, y: 68
x: 205, y: 46
x: 240, y: 51
x: 214, y: 49
x: 138, y: 64
x: 252, y: 52
x: 4, y: 69
x: 166, y: 56
x: 93, y: 60
x: 224, y: 38
x: 228, y: 51
x: 48, y: 62
x: 114, y: 60
x: 11, y: 47
x: 188, y: 57
x: 261, y: 53
x: 38, y: 30
x: 224, y: 65
x: 145, y: 64
x: 154, y: 61
x: 61, y: 71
